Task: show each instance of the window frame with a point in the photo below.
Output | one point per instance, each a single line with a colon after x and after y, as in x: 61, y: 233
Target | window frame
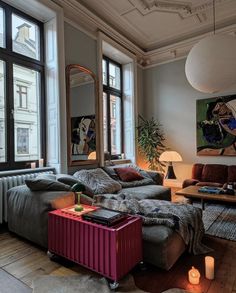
x: 10, y: 57
x: 118, y: 93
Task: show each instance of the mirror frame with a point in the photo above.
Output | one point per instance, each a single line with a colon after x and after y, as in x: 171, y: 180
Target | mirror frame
x: 68, y: 113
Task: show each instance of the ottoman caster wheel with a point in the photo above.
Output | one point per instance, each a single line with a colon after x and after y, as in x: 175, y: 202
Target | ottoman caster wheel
x: 142, y: 266
x: 51, y: 255
x: 114, y: 285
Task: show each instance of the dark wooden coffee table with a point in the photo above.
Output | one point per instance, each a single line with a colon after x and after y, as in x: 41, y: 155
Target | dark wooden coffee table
x: 191, y: 192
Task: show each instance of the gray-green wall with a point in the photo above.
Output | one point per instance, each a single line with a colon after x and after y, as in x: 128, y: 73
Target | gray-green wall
x: 80, y: 49
x: 168, y: 97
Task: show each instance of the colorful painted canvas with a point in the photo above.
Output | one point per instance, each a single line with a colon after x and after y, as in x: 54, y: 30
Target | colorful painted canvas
x: 83, y: 135
x: 216, y: 126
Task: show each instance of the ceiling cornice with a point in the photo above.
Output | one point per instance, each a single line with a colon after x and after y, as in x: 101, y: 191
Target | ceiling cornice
x: 81, y: 17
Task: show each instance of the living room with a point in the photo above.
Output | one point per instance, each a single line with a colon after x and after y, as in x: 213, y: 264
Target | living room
x: 141, y: 48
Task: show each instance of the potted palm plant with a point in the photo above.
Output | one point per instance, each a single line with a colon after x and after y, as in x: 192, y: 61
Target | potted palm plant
x: 150, y: 142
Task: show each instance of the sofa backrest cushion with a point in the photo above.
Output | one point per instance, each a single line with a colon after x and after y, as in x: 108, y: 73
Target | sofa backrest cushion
x: 38, y: 184
x: 98, y: 181
x: 231, y: 173
x: 197, y: 171
x: 215, y: 173
x: 128, y: 174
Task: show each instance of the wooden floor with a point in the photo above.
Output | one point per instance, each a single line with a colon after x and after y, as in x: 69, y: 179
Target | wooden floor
x: 21, y: 262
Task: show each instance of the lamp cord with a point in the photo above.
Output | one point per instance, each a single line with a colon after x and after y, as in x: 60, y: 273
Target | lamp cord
x: 214, y: 17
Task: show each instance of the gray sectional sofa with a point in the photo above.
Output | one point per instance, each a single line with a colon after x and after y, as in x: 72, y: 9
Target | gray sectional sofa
x: 28, y: 208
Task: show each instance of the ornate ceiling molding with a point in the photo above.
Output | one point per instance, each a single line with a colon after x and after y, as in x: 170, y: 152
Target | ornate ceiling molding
x: 82, y: 18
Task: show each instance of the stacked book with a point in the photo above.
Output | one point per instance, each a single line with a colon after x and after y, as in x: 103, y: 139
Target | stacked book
x: 211, y: 189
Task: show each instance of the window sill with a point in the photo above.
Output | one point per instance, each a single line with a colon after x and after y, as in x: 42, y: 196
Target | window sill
x: 117, y: 162
x: 25, y: 171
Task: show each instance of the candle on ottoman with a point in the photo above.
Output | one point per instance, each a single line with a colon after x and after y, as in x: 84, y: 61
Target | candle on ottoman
x: 209, y: 267
x: 193, y: 276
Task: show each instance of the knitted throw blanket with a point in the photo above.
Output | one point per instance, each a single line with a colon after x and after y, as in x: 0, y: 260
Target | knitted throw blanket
x: 183, y: 218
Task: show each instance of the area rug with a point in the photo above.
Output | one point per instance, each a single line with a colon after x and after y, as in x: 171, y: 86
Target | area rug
x: 219, y: 220
x: 81, y: 283
x: 175, y: 290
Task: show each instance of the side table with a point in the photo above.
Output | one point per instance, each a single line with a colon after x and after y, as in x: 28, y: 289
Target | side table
x: 109, y: 251
x: 175, y: 185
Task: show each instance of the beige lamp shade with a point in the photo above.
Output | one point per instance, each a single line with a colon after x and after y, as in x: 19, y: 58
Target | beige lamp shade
x: 92, y: 156
x: 211, y: 64
x: 170, y: 156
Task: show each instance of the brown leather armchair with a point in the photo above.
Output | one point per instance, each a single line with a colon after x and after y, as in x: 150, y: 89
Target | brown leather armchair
x: 211, y: 175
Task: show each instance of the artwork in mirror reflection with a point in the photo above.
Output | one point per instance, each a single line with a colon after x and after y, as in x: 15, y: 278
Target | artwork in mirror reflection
x: 83, y: 136
x: 82, y: 112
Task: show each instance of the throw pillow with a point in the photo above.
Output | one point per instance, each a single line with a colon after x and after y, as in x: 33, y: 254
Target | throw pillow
x: 98, y: 181
x: 46, y: 184
x: 128, y: 174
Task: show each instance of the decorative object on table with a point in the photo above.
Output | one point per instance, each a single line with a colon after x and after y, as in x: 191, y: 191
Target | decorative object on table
x: 211, y: 189
x: 150, y: 142
x: 83, y: 283
x: 194, y: 276
x: 78, y: 188
x: 170, y: 157
x: 83, y: 135
x: 71, y: 210
x: 216, y: 126
x: 211, y: 64
x: 230, y: 188
x: 210, y: 267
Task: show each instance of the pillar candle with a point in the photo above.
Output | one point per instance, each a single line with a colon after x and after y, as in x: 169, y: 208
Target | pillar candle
x: 193, y: 276
x: 210, y: 267
x: 33, y: 165
x: 41, y: 163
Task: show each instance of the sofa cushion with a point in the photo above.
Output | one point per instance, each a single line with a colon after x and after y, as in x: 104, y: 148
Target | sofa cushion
x: 128, y: 174
x: 231, y: 173
x: 147, y: 179
x: 38, y: 184
x: 161, y: 246
x: 98, y: 181
x: 66, y: 179
x: 147, y: 192
x: 197, y: 171
x: 215, y: 173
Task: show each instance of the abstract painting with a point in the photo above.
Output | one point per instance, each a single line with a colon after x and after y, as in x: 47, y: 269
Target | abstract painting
x: 216, y: 126
x: 83, y: 135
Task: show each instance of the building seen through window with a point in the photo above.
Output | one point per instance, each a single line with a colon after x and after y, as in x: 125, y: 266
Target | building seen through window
x: 112, y: 107
x: 21, y: 96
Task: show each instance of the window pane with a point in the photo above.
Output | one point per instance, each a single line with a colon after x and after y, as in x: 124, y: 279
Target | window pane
x: 114, y: 76
x: 25, y: 37
x: 115, y: 122
x: 2, y: 113
x: 26, y: 113
x: 2, y: 29
x: 104, y: 72
x: 105, y: 122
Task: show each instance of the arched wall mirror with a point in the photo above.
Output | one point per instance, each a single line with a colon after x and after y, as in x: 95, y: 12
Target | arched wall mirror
x: 82, y: 116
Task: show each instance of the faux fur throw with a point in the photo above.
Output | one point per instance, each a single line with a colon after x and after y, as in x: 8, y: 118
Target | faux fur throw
x: 184, y: 219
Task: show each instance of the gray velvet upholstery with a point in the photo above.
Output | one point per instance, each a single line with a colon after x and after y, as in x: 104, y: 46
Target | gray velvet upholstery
x: 161, y: 246
x: 28, y: 212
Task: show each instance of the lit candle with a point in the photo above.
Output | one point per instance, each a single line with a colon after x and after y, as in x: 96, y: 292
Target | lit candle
x: 33, y: 165
x: 41, y: 161
x: 193, y: 276
x: 209, y: 267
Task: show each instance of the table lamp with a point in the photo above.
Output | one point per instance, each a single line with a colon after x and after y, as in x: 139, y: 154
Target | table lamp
x: 170, y: 156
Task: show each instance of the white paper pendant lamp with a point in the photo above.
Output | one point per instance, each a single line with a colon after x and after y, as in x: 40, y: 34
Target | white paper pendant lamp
x: 211, y: 64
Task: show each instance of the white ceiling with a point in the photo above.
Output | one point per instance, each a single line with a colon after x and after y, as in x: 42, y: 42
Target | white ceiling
x: 153, y: 24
